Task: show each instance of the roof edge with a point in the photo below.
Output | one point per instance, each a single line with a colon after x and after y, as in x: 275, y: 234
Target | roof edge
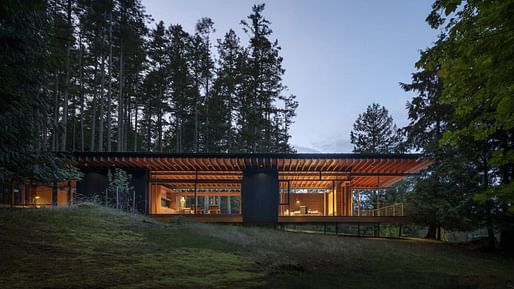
x: 254, y: 155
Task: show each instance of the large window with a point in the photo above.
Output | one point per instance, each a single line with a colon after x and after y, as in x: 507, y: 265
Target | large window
x: 200, y: 199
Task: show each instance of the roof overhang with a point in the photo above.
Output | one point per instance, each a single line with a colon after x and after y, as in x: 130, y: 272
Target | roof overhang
x: 309, y: 170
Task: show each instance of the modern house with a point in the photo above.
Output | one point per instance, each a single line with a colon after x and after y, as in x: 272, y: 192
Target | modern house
x: 248, y: 188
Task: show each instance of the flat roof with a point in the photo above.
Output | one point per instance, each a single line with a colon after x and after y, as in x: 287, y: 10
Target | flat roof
x: 215, y: 170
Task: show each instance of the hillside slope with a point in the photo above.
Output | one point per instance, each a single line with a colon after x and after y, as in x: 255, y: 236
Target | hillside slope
x: 94, y: 247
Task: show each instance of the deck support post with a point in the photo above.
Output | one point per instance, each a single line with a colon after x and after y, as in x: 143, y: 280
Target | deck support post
x: 196, y: 189
x: 358, y: 203
x: 333, y: 198
x: 289, y: 198
x: 378, y: 195
x: 55, y: 200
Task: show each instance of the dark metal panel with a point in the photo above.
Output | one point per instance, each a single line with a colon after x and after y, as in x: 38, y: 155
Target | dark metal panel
x: 93, y: 182
x: 260, y: 195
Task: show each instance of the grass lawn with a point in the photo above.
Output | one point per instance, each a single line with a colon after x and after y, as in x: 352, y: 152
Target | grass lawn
x: 95, y: 247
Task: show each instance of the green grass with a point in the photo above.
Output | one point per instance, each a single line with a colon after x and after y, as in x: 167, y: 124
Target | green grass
x: 95, y: 247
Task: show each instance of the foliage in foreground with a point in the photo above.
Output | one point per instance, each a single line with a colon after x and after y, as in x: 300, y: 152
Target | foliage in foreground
x: 96, y: 247
x: 463, y: 118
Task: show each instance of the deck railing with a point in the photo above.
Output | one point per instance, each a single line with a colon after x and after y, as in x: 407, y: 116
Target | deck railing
x: 394, y: 210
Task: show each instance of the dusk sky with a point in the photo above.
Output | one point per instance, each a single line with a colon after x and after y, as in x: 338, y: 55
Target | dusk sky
x: 339, y: 56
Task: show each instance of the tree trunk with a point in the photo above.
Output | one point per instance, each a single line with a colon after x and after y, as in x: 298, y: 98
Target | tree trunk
x: 56, y: 114
x: 431, y: 233
x: 44, y: 141
x: 101, y: 106
x: 81, y: 92
x: 148, y: 127
x: 120, y: 98
x: 93, y: 119
x: 507, y: 238
x: 159, y: 130
x: 489, y: 222
x: 109, y: 89
x: 135, y: 123
x: 126, y: 121
x: 66, y: 87
x: 74, y: 123
x: 195, y: 144
x: 159, y: 123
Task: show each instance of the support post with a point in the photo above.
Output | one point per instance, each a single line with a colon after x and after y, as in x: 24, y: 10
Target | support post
x: 148, y: 190
x: 55, y: 200
x: 378, y: 196
x: 196, y: 189
x: 289, y: 198
x: 358, y: 203
x: 333, y: 198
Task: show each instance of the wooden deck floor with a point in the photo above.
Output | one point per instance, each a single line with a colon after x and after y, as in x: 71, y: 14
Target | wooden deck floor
x: 290, y: 219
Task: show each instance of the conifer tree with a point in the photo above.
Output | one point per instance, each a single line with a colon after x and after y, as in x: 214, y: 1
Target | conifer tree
x: 375, y: 132
x: 263, y: 86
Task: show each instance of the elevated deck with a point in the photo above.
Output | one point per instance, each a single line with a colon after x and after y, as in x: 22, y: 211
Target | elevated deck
x: 237, y: 219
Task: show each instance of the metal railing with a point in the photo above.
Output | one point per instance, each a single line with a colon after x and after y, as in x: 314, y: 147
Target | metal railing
x: 394, y: 210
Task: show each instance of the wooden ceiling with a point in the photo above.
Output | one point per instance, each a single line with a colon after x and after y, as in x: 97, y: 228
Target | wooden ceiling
x: 224, y: 171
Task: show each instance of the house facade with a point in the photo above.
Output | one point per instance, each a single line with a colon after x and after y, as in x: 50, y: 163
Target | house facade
x: 247, y: 188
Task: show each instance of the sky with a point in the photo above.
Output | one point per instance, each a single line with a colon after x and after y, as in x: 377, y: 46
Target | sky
x: 340, y: 55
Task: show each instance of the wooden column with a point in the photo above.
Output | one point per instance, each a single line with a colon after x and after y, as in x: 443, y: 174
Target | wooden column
x: 350, y: 195
x: 349, y: 199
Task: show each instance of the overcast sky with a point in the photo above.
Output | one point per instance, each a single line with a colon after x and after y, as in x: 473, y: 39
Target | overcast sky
x: 339, y: 55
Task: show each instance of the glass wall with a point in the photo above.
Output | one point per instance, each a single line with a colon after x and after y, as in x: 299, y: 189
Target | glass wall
x: 182, y: 198
x: 34, y: 195
x: 315, y: 198
x: 306, y: 202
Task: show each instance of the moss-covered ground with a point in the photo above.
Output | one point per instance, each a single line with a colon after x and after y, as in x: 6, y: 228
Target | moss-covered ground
x: 94, y: 247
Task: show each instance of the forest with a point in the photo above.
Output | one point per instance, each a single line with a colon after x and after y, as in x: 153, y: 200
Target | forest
x: 99, y: 76
x: 104, y: 77
x: 462, y: 118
